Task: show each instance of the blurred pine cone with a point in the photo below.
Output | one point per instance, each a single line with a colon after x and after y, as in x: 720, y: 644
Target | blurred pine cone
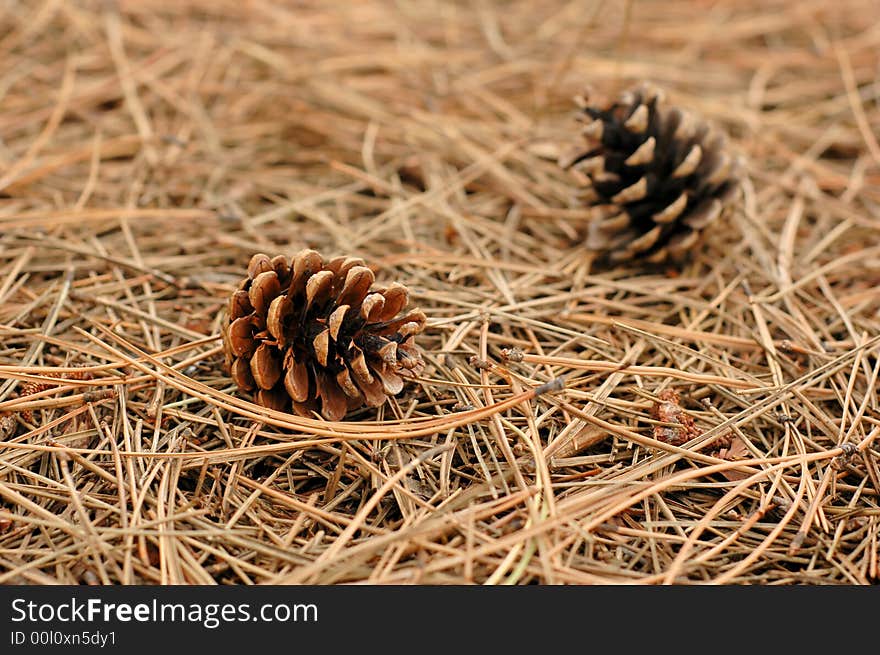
x: 310, y: 335
x: 656, y: 176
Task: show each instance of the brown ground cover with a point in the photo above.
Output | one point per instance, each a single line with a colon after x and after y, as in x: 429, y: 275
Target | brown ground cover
x: 149, y: 148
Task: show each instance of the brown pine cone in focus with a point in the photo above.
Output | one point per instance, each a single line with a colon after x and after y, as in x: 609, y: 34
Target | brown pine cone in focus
x: 307, y: 335
x: 656, y: 176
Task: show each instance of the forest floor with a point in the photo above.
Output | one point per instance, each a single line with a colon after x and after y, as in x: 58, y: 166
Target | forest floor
x: 149, y: 148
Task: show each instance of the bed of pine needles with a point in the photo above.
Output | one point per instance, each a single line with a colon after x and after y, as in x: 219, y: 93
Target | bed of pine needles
x: 149, y: 148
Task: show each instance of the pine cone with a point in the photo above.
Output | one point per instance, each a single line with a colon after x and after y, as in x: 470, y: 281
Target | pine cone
x: 656, y: 176
x: 312, y: 336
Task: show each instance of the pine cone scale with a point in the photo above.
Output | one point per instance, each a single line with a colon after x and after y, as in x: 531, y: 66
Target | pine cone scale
x: 296, y: 381
x: 333, y: 400
x: 343, y: 379
x: 321, y: 345
x: 272, y: 398
x: 263, y: 291
x: 239, y: 305
x: 672, y: 211
x: 279, y: 311
x: 241, y: 374
x: 265, y: 367
x: 357, y: 284
x: 391, y: 382
x: 703, y: 214
x: 337, y: 321
x: 241, y: 336
x: 644, y: 154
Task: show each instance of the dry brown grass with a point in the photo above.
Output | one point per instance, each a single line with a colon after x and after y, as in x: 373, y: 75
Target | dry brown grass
x: 148, y: 148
